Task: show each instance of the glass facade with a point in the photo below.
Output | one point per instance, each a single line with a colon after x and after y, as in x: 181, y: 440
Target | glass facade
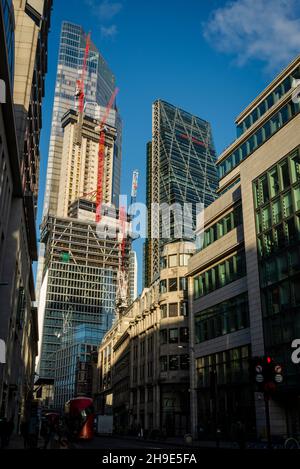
x: 267, y: 130
x: 220, y: 275
x: 187, y: 172
x: 77, y: 345
x: 182, y: 163
x: 99, y: 87
x: 277, y: 207
x: 220, y: 228
x: 9, y: 25
x: 280, y: 91
x: 80, y: 288
x: 229, y: 316
x: 224, y: 392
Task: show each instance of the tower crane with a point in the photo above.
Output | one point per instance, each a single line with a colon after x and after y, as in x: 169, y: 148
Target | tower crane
x: 122, y: 277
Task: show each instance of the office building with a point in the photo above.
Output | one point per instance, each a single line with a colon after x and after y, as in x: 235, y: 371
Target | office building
x: 180, y: 170
x: 24, y: 29
x: 144, y: 359
x: 244, y: 279
x: 74, y: 364
x: 99, y: 87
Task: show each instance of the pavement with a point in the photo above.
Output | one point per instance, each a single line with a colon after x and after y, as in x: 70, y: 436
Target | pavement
x: 131, y: 442
x: 116, y: 441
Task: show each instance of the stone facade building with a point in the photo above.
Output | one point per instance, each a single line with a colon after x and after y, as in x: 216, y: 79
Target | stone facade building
x: 144, y: 359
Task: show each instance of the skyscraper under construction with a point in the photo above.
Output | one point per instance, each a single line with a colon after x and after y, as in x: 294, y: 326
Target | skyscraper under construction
x: 78, y: 269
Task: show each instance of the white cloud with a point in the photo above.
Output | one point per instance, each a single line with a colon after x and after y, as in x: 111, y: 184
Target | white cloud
x: 109, y: 31
x: 267, y: 30
x: 106, y: 9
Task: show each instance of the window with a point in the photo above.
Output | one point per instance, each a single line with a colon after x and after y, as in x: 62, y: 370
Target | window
x: 295, y: 168
x: 184, y: 308
x: 221, y: 319
x: 163, y: 336
x: 264, y: 189
x: 163, y: 286
x: 184, y: 259
x: 173, y: 310
x: 184, y: 335
x: 280, y: 260
x: 164, y: 262
x: 220, y: 228
x: 285, y: 177
x: 183, y: 283
x: 172, y: 284
x: 184, y: 362
x: 266, y: 131
x: 173, y: 362
x: 266, y: 217
x: 287, y: 204
x: 220, y: 275
x: 163, y: 363
x: 173, y: 336
x: 296, y: 198
x: 173, y: 260
x: 276, y: 211
x: 231, y: 367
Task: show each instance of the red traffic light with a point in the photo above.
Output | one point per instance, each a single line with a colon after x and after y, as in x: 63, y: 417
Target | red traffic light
x: 269, y: 359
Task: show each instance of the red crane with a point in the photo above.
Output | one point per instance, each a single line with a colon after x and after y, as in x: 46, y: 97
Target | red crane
x: 80, y: 93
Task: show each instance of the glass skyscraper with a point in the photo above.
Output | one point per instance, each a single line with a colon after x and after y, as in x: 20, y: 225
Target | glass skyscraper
x: 181, y: 169
x: 99, y: 87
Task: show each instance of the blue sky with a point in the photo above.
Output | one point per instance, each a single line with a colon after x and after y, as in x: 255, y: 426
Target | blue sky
x: 209, y: 57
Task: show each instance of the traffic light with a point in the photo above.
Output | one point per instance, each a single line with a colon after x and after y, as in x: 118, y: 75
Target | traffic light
x: 266, y: 373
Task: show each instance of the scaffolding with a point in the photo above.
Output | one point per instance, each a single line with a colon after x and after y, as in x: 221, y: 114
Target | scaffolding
x: 82, y: 272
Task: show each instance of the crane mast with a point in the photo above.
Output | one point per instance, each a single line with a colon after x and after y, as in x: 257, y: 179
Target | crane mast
x: 122, y: 278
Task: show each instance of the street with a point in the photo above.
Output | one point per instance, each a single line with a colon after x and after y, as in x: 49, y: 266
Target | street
x: 104, y: 442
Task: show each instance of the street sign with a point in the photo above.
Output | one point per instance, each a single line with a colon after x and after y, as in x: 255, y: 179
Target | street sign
x: 258, y: 369
x: 278, y: 378
x: 278, y: 369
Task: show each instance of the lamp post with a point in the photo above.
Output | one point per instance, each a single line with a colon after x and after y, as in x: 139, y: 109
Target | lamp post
x: 193, y: 390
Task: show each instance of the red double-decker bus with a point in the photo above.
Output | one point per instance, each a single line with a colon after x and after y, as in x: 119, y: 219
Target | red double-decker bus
x: 79, y: 415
